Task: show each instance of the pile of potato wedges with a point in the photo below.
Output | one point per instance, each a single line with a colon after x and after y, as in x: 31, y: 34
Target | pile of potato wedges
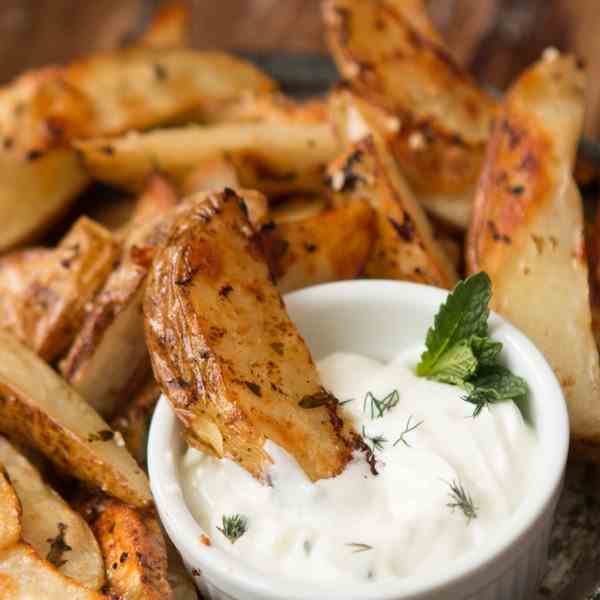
x: 156, y: 202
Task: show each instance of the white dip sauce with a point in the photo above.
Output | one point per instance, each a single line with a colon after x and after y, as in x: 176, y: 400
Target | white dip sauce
x: 358, y: 526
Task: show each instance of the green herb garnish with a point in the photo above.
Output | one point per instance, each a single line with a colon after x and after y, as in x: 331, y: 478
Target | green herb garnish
x: 461, y: 499
x: 359, y: 547
x: 459, y: 350
x: 234, y: 527
x: 407, y: 429
x: 377, y: 407
x: 376, y: 442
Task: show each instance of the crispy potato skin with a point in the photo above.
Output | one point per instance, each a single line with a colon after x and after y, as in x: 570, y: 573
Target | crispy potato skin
x: 330, y: 246
x: 401, y: 79
x: 44, y: 512
x: 10, y: 511
x: 404, y: 246
x: 225, y: 352
x: 37, y: 406
x: 134, y: 422
x: 133, y: 547
x: 527, y: 233
x: 50, y: 306
x: 24, y: 575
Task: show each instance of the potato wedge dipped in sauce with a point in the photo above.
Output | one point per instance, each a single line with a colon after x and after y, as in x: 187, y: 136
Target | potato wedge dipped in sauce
x: 404, y: 247
x: 401, y: 80
x: 225, y: 352
x: 527, y: 232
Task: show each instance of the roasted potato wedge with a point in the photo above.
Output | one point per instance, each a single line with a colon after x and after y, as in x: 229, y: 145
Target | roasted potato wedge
x: 158, y: 197
x: 212, y: 174
x: 134, y: 549
x: 225, y: 352
x: 134, y: 422
x: 169, y: 27
x: 34, y: 193
x: 527, y: 232
x: 50, y: 526
x: 329, y: 246
x: 39, y: 407
x: 49, y: 309
x: 270, y: 157
x: 10, y: 512
x: 404, y: 247
x: 24, y: 576
x: 401, y: 79
x: 297, y: 208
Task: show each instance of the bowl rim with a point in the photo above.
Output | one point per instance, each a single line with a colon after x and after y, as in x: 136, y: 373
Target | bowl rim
x: 237, y: 578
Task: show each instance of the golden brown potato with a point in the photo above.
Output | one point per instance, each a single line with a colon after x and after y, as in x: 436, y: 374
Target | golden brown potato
x: 270, y: 157
x: 40, y: 408
x: 404, y: 247
x: 297, y: 208
x: 35, y: 192
x: 10, y: 512
x: 527, y: 232
x: 211, y: 174
x: 25, y: 576
x: 169, y: 27
x: 158, y: 197
x: 225, y: 352
x: 329, y: 246
x: 401, y: 80
x: 48, y: 310
x: 50, y: 526
x: 133, y: 547
x: 134, y: 422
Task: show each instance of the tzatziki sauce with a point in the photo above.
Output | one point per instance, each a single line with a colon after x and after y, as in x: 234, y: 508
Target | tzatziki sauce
x: 406, y: 520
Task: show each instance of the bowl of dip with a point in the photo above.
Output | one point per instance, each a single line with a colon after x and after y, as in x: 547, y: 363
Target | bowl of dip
x: 456, y: 506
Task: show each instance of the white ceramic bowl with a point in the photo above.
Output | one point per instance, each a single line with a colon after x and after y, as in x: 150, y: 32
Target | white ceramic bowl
x: 379, y: 318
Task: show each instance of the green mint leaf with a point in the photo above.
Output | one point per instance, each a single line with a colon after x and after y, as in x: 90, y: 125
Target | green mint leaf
x: 456, y: 365
x: 495, y: 384
x: 464, y: 314
x: 486, y: 350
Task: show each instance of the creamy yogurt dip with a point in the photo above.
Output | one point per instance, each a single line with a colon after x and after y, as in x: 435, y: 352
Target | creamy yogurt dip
x: 359, y: 526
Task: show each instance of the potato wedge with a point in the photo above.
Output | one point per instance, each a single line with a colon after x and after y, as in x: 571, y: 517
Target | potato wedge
x: 158, y: 197
x: 34, y: 193
x: 297, y: 208
x: 211, y: 174
x: 404, y: 247
x: 134, y: 549
x: 50, y: 308
x: 134, y: 422
x: 25, y: 576
x: 527, y: 232
x: 39, y: 407
x: 225, y: 352
x: 329, y: 246
x: 270, y: 157
x: 50, y: 526
x: 401, y: 79
x: 10, y: 512
x: 169, y: 27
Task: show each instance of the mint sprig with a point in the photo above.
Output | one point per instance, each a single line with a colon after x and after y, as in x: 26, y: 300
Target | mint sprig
x: 459, y: 350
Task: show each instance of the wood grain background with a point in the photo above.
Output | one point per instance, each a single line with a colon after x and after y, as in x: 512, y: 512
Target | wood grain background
x: 495, y: 38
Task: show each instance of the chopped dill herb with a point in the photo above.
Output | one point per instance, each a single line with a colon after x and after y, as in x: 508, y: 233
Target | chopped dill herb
x: 345, y: 401
x: 377, y: 441
x: 407, y: 429
x: 359, y: 547
x: 234, y: 527
x: 378, y: 406
x: 462, y: 500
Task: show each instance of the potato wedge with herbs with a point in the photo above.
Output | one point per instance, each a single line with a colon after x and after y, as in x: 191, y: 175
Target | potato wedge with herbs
x: 10, y: 512
x: 25, y: 576
x: 527, y: 232
x: 37, y: 406
x: 270, y: 157
x: 133, y: 547
x: 49, y: 309
x: 50, y: 526
x: 134, y: 422
x: 225, y: 352
x: 404, y: 246
x: 401, y: 79
x: 332, y: 245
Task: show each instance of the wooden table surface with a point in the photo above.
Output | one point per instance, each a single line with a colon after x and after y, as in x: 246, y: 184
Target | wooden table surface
x: 495, y: 38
